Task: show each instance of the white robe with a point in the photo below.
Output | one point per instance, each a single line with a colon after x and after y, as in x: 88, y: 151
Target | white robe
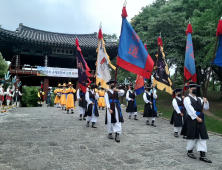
x: 92, y: 118
x: 113, y: 127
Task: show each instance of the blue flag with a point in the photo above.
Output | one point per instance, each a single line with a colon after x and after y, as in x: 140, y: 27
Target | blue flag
x: 190, y: 67
x: 132, y: 54
x: 218, y: 59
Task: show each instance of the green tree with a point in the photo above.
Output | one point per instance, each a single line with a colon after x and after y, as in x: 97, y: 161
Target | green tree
x: 171, y: 19
x: 3, y: 66
x: 30, y: 96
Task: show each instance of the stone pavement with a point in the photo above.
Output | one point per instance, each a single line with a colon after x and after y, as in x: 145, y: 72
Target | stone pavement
x: 48, y: 138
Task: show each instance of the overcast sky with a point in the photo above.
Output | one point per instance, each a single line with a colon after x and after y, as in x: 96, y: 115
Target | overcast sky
x: 68, y: 16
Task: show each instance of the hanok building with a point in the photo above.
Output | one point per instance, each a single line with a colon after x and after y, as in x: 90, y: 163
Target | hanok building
x: 28, y: 48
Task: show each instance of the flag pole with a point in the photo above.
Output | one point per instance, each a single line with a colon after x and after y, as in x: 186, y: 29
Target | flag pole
x: 124, y: 14
x: 114, y: 86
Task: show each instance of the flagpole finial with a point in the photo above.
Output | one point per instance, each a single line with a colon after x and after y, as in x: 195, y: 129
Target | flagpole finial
x: 189, y: 20
x: 100, y: 26
x: 160, y: 34
x: 124, y: 3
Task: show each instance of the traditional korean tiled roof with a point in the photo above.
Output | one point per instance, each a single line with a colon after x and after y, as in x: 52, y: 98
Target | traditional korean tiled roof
x: 34, y: 36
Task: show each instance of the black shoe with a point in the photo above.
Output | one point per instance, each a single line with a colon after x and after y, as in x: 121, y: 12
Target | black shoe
x: 93, y: 125
x: 84, y: 118
x: 103, y: 108
x: 129, y: 117
x: 191, y: 155
x: 87, y: 125
x: 184, y: 137
x: 147, y: 122
x: 204, y: 158
x: 110, y: 136
x: 72, y: 112
x: 80, y: 117
x: 67, y: 111
x: 153, y: 123
x: 135, y: 117
x: 176, y: 134
x: 117, y: 138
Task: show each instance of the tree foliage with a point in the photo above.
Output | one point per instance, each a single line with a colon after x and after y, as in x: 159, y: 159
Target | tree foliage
x: 3, y: 66
x: 30, y: 96
x: 171, y: 19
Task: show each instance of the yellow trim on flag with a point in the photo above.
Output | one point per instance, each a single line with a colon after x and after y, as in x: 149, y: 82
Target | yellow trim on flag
x: 111, y: 65
x: 103, y: 83
x: 162, y: 86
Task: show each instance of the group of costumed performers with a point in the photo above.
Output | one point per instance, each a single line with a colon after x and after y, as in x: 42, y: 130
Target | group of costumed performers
x: 188, y: 120
x: 11, y: 95
x: 194, y: 130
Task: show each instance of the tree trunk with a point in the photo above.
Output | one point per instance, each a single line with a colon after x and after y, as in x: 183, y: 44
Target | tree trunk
x: 174, y: 79
x: 213, y: 83
x: 198, y: 80
x: 221, y: 90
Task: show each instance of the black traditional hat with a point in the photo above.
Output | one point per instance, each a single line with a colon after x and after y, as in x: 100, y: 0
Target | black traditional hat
x: 177, y: 90
x: 93, y: 85
x: 111, y: 82
x: 148, y: 86
x: 191, y: 84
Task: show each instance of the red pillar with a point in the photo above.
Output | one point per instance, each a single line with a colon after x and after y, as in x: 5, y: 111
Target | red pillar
x: 45, y: 86
x: 77, y: 84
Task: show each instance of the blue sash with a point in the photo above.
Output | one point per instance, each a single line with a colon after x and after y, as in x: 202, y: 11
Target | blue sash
x: 81, y: 94
x: 95, y: 105
x: 180, y: 107
x: 116, y: 101
x: 154, y: 101
x: 101, y: 96
x: 199, y: 113
x: 65, y: 94
x: 134, y: 102
x: 154, y: 104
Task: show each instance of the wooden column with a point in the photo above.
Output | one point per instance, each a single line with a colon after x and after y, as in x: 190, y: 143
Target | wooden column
x: 46, y: 61
x: 17, y: 77
x: 45, y: 86
x: 77, y: 84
